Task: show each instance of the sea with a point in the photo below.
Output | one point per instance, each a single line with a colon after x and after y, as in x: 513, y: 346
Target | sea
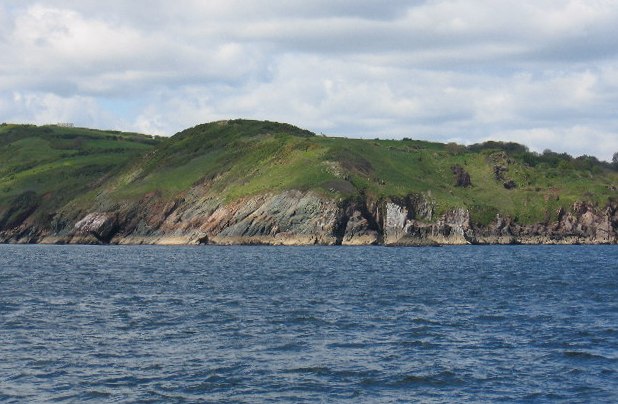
x: 257, y: 324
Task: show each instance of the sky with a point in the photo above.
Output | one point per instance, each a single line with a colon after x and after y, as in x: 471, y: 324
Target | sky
x: 543, y: 73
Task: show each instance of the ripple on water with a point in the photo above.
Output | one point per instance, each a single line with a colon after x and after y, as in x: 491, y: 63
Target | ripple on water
x: 256, y: 324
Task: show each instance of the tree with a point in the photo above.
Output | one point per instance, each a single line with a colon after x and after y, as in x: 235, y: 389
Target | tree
x: 615, y: 158
x: 455, y: 149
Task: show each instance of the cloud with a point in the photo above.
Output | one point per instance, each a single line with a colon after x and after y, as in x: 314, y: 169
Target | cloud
x: 540, y: 72
x: 45, y: 108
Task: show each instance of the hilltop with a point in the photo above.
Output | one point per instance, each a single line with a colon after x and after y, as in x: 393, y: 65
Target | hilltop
x: 44, y: 167
x: 243, y: 181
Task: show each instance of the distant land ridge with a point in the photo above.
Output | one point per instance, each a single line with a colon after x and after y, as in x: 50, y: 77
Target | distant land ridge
x: 260, y: 182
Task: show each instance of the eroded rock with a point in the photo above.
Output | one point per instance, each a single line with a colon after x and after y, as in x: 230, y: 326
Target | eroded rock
x: 101, y: 225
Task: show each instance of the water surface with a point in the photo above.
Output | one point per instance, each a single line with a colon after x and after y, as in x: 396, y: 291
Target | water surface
x: 307, y: 324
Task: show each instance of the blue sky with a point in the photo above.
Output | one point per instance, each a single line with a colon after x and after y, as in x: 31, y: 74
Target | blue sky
x: 543, y: 73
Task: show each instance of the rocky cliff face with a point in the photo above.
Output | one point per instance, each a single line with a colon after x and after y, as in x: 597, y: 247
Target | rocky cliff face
x: 301, y: 218
x: 403, y: 228
x: 584, y: 223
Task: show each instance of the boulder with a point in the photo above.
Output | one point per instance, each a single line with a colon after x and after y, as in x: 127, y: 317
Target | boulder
x: 101, y: 225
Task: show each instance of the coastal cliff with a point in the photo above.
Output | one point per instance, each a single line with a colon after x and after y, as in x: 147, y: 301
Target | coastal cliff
x: 305, y: 218
x: 252, y: 182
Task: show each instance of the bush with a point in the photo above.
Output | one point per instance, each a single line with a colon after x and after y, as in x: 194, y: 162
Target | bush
x: 508, y: 147
x: 455, y: 149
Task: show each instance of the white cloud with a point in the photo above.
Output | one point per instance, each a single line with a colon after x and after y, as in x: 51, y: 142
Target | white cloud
x: 540, y: 72
x: 45, y: 108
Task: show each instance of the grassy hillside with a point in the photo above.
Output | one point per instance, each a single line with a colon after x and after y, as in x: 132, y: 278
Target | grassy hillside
x: 239, y: 158
x: 46, y: 166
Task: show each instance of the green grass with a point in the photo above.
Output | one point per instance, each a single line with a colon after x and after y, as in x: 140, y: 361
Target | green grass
x: 55, y: 164
x: 234, y: 159
x: 243, y: 158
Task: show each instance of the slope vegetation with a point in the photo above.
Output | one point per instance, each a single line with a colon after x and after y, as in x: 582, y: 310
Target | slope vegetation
x: 260, y: 180
x: 244, y: 158
x: 44, y: 167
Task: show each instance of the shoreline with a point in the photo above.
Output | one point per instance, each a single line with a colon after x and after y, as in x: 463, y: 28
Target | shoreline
x: 185, y: 242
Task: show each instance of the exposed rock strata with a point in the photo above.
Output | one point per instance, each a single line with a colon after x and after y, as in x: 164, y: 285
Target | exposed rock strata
x: 303, y: 218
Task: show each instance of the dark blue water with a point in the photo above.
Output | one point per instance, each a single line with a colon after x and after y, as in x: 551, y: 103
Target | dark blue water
x: 264, y: 324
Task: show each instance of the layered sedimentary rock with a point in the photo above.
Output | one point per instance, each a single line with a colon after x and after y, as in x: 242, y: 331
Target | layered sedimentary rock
x: 304, y: 218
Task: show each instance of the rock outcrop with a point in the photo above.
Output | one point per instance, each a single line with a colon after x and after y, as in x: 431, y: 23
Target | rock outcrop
x: 584, y: 223
x: 462, y: 178
x: 303, y: 218
x: 100, y: 225
x: 404, y: 227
